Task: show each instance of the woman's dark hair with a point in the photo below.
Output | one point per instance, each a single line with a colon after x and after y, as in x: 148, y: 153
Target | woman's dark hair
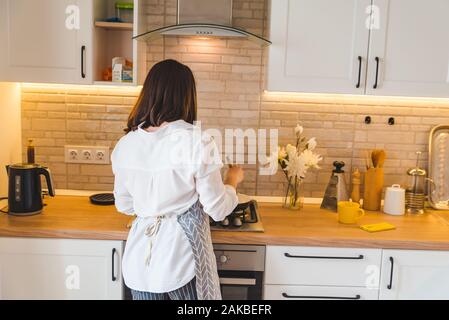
x: 168, y: 94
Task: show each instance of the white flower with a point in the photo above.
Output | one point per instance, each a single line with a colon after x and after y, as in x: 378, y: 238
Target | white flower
x: 299, y: 130
x: 310, y: 159
x: 311, y: 144
x: 296, y: 167
x: 295, y: 161
x: 282, y: 153
x: 291, y: 150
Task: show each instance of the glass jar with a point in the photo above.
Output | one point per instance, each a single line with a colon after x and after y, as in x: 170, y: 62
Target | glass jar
x: 125, y: 11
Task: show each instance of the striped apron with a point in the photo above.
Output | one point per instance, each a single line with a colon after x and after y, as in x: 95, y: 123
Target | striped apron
x: 195, y: 224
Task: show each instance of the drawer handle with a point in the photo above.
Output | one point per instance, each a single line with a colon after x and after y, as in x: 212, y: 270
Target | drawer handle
x: 114, y: 278
x: 285, y: 295
x: 238, y: 281
x: 376, y: 83
x: 83, y: 52
x: 390, y: 285
x: 360, y: 72
x: 359, y: 257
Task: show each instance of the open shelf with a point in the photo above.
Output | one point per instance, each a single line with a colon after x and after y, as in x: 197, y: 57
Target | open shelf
x: 115, y: 39
x: 110, y: 83
x: 112, y: 39
x: 114, y: 25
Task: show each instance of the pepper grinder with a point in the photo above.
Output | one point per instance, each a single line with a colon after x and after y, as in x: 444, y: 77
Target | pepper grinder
x: 355, y: 194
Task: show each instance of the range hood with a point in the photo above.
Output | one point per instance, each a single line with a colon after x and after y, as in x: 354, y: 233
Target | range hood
x: 203, y: 18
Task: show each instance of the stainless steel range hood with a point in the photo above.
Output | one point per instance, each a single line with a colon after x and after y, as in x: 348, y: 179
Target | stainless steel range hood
x: 203, y: 18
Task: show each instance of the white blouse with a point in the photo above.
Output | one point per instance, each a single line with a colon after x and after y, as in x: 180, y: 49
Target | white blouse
x: 158, y: 176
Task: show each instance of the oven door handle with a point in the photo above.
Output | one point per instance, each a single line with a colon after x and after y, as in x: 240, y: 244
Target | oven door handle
x: 238, y: 281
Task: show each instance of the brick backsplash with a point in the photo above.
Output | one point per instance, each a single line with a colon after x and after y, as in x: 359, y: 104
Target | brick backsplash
x: 230, y: 75
x: 55, y: 116
x: 338, y: 122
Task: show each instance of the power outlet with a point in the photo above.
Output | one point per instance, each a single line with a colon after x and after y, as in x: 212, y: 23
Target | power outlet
x: 85, y: 154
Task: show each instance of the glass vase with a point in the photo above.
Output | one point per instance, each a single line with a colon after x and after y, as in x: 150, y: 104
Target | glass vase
x: 294, y: 198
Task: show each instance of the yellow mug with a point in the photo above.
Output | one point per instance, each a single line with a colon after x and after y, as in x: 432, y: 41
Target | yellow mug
x: 349, y: 212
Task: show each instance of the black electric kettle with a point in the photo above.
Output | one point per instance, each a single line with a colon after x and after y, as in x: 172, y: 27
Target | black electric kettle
x: 25, y: 189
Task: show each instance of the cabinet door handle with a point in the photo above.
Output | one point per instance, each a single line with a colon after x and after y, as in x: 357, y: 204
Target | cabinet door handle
x: 360, y: 72
x: 285, y: 295
x: 390, y: 285
x: 359, y: 257
x: 376, y: 83
x: 114, y: 278
x: 83, y: 52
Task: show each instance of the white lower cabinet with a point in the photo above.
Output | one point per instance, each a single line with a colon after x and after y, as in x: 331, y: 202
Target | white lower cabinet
x: 414, y: 275
x: 60, y: 269
x: 311, y: 266
x: 293, y: 272
x: 322, y: 273
x: 282, y: 292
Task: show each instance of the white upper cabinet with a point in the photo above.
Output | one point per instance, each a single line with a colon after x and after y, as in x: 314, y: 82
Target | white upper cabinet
x: 46, y: 41
x: 414, y: 275
x: 402, y: 44
x: 412, y: 47
x: 318, y: 46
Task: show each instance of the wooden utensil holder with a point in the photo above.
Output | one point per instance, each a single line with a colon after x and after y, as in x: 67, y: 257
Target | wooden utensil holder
x: 374, y: 183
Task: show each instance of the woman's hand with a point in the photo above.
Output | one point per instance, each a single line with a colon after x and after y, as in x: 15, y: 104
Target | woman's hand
x: 234, y: 176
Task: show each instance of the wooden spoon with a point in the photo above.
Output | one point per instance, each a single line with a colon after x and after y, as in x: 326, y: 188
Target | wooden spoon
x: 368, y: 159
x: 375, y: 157
x: 381, y: 158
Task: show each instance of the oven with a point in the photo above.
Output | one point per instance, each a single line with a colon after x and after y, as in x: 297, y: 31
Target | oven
x: 241, y: 270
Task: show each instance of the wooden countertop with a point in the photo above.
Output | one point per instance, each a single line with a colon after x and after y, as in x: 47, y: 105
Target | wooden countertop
x: 74, y: 217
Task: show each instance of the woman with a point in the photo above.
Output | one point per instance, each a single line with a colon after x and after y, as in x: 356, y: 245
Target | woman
x: 168, y: 175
